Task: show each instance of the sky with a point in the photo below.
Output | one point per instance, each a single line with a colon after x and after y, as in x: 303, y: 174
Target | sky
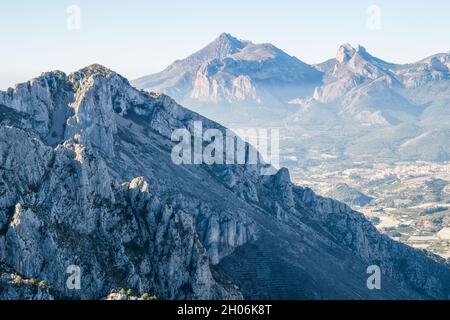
x: 136, y: 38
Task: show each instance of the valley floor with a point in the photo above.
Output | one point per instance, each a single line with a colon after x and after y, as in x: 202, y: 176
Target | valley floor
x: 410, y: 201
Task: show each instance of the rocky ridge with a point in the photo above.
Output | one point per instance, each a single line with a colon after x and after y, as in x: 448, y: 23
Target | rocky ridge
x: 96, y: 188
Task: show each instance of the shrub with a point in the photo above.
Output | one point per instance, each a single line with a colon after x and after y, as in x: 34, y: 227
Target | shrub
x: 17, y: 280
x: 42, y: 284
x: 129, y: 292
x: 122, y: 291
x: 147, y: 296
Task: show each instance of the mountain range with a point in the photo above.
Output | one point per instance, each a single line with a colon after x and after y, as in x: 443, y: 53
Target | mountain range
x: 366, y: 90
x: 86, y: 179
x: 238, y: 76
x: 388, y: 109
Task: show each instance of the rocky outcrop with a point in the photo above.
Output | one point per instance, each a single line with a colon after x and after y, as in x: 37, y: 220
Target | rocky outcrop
x: 434, y: 68
x: 103, y: 194
x: 399, y: 261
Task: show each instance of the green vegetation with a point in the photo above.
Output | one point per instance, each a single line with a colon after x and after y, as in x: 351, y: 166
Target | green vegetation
x: 147, y: 296
x: 18, y: 280
x: 42, y: 284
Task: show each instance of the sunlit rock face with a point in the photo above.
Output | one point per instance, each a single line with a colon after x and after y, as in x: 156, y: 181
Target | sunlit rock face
x: 230, y: 72
x: 86, y: 179
x: 434, y: 68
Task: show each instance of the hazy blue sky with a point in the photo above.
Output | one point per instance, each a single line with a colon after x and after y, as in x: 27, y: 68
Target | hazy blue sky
x: 136, y: 37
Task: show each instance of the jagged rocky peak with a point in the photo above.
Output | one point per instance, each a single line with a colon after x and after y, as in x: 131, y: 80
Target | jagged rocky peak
x: 226, y: 44
x: 58, y: 77
x: 235, y: 75
x: 94, y: 69
x: 219, y: 49
x: 359, y: 56
x: 345, y: 53
x: 76, y: 107
x: 357, y: 65
x: 283, y: 176
x: 364, y: 54
x: 51, y: 75
x: 361, y: 49
x: 438, y: 63
x: 79, y: 77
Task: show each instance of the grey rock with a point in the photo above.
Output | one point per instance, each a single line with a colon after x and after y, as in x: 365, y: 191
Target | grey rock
x: 103, y: 194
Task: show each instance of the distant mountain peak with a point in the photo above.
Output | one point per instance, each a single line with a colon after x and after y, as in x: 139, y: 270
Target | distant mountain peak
x: 345, y: 53
x: 221, y: 47
x: 224, y: 36
x: 227, y: 38
x: 362, y: 49
x: 233, y: 71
